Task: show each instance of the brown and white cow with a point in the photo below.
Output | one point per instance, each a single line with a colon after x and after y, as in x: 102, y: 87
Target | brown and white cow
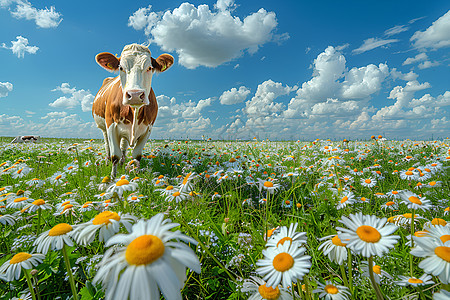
x: 125, y: 107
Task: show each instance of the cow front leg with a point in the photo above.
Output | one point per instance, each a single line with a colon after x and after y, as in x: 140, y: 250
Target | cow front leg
x: 137, y: 150
x: 123, y: 147
x: 114, y: 148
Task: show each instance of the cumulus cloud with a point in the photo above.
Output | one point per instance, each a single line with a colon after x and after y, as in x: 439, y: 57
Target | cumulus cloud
x: 74, y: 99
x: 234, y: 96
x: 373, y: 43
x: 205, y: 37
x: 55, y: 125
x: 436, y: 36
x: 417, y: 58
x: 5, y: 88
x: 23, y: 9
x: 54, y: 114
x: 20, y: 47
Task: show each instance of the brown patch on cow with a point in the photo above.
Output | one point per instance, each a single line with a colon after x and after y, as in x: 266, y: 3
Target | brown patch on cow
x: 114, y: 159
x: 139, y: 157
x: 163, y: 62
x: 108, y: 105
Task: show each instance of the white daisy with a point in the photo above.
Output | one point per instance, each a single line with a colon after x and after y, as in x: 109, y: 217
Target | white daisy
x: 107, y: 223
x: 152, y: 260
x: 378, y: 273
x: 121, y: 186
x: 284, y: 234
x: 285, y: 263
x: 334, y: 248
x: 414, y: 202
x: 368, y: 235
x: 7, y: 219
x: 55, y: 238
x: 413, y: 281
x: 330, y: 291
x: 12, y: 269
x: 441, y: 295
x: 262, y: 292
x: 435, y: 247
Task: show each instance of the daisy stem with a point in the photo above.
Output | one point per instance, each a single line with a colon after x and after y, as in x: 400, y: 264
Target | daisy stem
x: 344, y: 276
x: 69, y: 272
x: 308, y: 292
x: 39, y: 221
x: 372, y: 279
x: 30, y: 285
x: 412, y: 243
x: 350, y: 273
x: 299, y: 289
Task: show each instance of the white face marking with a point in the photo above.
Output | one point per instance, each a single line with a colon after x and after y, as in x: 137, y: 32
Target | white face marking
x: 136, y: 73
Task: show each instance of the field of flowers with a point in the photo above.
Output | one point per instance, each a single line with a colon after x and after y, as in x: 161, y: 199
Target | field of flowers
x: 226, y: 220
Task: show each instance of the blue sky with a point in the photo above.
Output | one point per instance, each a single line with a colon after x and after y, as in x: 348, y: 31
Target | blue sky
x: 270, y: 69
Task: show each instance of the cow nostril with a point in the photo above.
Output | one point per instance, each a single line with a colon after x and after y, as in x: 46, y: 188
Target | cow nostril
x: 128, y: 96
x: 142, y: 96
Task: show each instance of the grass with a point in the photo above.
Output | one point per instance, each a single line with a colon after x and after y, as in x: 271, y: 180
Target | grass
x: 230, y: 226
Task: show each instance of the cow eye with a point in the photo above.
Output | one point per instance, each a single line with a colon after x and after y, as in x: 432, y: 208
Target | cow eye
x: 149, y: 69
x: 120, y: 68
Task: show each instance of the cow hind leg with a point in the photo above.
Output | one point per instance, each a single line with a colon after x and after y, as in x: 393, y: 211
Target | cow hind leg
x: 108, y: 152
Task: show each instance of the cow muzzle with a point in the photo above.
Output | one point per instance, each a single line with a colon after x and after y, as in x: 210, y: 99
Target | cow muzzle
x: 134, y: 98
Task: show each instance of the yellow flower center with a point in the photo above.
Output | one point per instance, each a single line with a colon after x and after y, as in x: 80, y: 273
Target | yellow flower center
x: 331, y: 289
x: 19, y: 171
x: 394, y: 192
x: 58, y: 177
x: 169, y: 188
x: 390, y: 203
x: 105, y: 179
x: 445, y: 238
x: 105, y: 218
x: 377, y: 269
x: 443, y: 252
x: 144, y: 250
x: 39, y: 202
x: 269, y: 293
x: 19, y: 257
x: 433, y: 183
x: 368, y: 234
x: 283, y: 262
x: 409, y: 173
x: 368, y: 181
x: 176, y: 194
x: 70, y: 168
x: 415, y: 200
x: 415, y: 280
x: 268, y: 184
x: 60, y: 229
x: 437, y: 221
x: 337, y: 241
x: 20, y: 199
x: 122, y: 182
x: 345, y: 198
x: 281, y: 242
x: 232, y: 160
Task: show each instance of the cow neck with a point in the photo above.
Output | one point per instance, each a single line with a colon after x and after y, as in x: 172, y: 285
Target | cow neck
x: 133, y: 127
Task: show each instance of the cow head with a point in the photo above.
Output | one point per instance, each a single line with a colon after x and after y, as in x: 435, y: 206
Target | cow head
x: 136, y: 66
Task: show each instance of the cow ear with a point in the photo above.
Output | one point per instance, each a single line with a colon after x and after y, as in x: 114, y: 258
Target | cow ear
x: 108, y: 61
x: 163, y: 62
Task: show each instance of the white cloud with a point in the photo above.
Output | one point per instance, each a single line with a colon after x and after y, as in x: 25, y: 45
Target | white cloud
x: 54, y: 114
x: 234, y: 96
x: 54, y: 126
x: 428, y: 64
x: 75, y: 98
x: 219, y: 36
x: 373, y: 43
x: 362, y: 82
x: 417, y: 58
x: 436, y: 36
x: 396, y: 30
x: 44, y: 18
x: 5, y: 88
x: 20, y: 47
